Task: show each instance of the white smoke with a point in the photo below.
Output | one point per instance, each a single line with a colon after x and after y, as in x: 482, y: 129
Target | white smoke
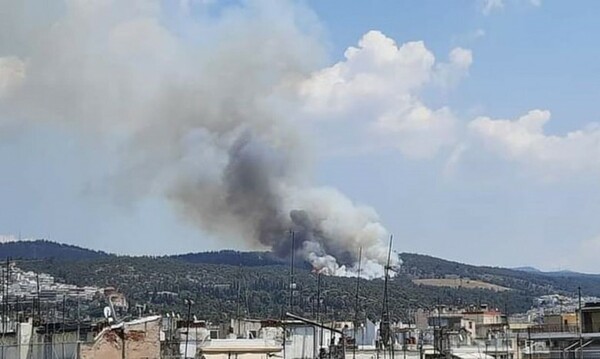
x: 194, y: 99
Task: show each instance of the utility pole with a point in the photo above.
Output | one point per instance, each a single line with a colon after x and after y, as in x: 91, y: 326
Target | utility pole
x: 385, y: 328
x: 529, y: 341
x: 64, y: 309
x: 189, y: 302
x: 17, y: 310
x: 78, y: 320
x: 440, y: 337
x: 356, y: 302
x: 319, y: 318
x: 7, y: 292
x: 6, y: 307
x: 39, y: 304
x: 507, y: 327
x: 420, y: 344
x: 292, y: 284
x: 239, y: 296
x: 3, y: 300
x: 580, y: 323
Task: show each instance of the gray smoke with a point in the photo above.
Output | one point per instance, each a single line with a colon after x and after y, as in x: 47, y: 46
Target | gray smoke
x: 198, y: 106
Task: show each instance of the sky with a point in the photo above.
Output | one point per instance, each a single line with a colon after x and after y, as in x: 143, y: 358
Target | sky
x: 469, y: 128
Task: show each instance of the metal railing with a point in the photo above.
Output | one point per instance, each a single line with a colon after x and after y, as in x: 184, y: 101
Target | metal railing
x: 554, y: 328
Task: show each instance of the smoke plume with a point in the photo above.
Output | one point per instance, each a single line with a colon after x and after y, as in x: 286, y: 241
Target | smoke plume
x: 195, y: 97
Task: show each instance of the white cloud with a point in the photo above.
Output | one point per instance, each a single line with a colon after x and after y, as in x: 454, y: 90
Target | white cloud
x: 379, y: 84
x: 12, y: 74
x: 417, y: 131
x: 523, y: 141
x: 491, y: 5
x: 536, y: 2
x: 449, y: 74
x: 372, y: 72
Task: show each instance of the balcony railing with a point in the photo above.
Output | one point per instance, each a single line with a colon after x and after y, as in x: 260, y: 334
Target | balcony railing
x: 554, y: 328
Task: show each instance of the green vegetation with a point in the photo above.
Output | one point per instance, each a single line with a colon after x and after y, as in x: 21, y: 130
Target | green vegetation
x: 220, y: 291
x: 259, y: 288
x: 422, y: 266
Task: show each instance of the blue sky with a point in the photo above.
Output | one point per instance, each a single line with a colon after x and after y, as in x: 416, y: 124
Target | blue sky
x: 471, y: 183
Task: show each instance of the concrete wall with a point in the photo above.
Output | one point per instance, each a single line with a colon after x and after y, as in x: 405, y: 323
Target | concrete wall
x: 242, y: 328
x: 26, y: 344
x: 108, y: 345
x: 558, y: 320
x: 302, y: 342
x: 56, y: 345
x: 195, y: 338
x: 142, y: 341
x: 591, y: 321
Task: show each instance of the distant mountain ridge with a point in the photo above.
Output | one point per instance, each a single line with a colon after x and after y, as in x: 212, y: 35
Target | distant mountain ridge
x: 214, y: 278
x: 555, y: 272
x: 527, y: 269
x: 415, y: 266
x: 41, y: 248
x: 44, y: 249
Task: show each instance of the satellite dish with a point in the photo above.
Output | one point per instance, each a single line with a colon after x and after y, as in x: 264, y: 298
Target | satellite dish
x: 107, y: 312
x: 168, y: 315
x: 195, y: 318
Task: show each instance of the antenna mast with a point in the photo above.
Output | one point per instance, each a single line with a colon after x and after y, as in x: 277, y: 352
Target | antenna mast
x: 385, y: 329
x: 292, y: 284
x: 239, y: 288
x: 356, y: 302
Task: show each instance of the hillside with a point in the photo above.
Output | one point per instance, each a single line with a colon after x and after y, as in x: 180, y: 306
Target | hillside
x: 231, y: 257
x: 422, y: 266
x: 40, y: 248
x: 256, y: 283
x: 460, y: 283
x: 262, y: 291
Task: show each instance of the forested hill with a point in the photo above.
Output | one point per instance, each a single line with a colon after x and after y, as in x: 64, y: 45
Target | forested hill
x: 415, y: 266
x: 231, y: 257
x: 418, y: 266
x: 220, y: 281
x: 40, y: 249
x: 423, y: 266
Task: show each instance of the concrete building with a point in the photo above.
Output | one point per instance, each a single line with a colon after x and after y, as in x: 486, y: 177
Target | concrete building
x: 590, y: 318
x: 581, y: 340
x: 561, y: 322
